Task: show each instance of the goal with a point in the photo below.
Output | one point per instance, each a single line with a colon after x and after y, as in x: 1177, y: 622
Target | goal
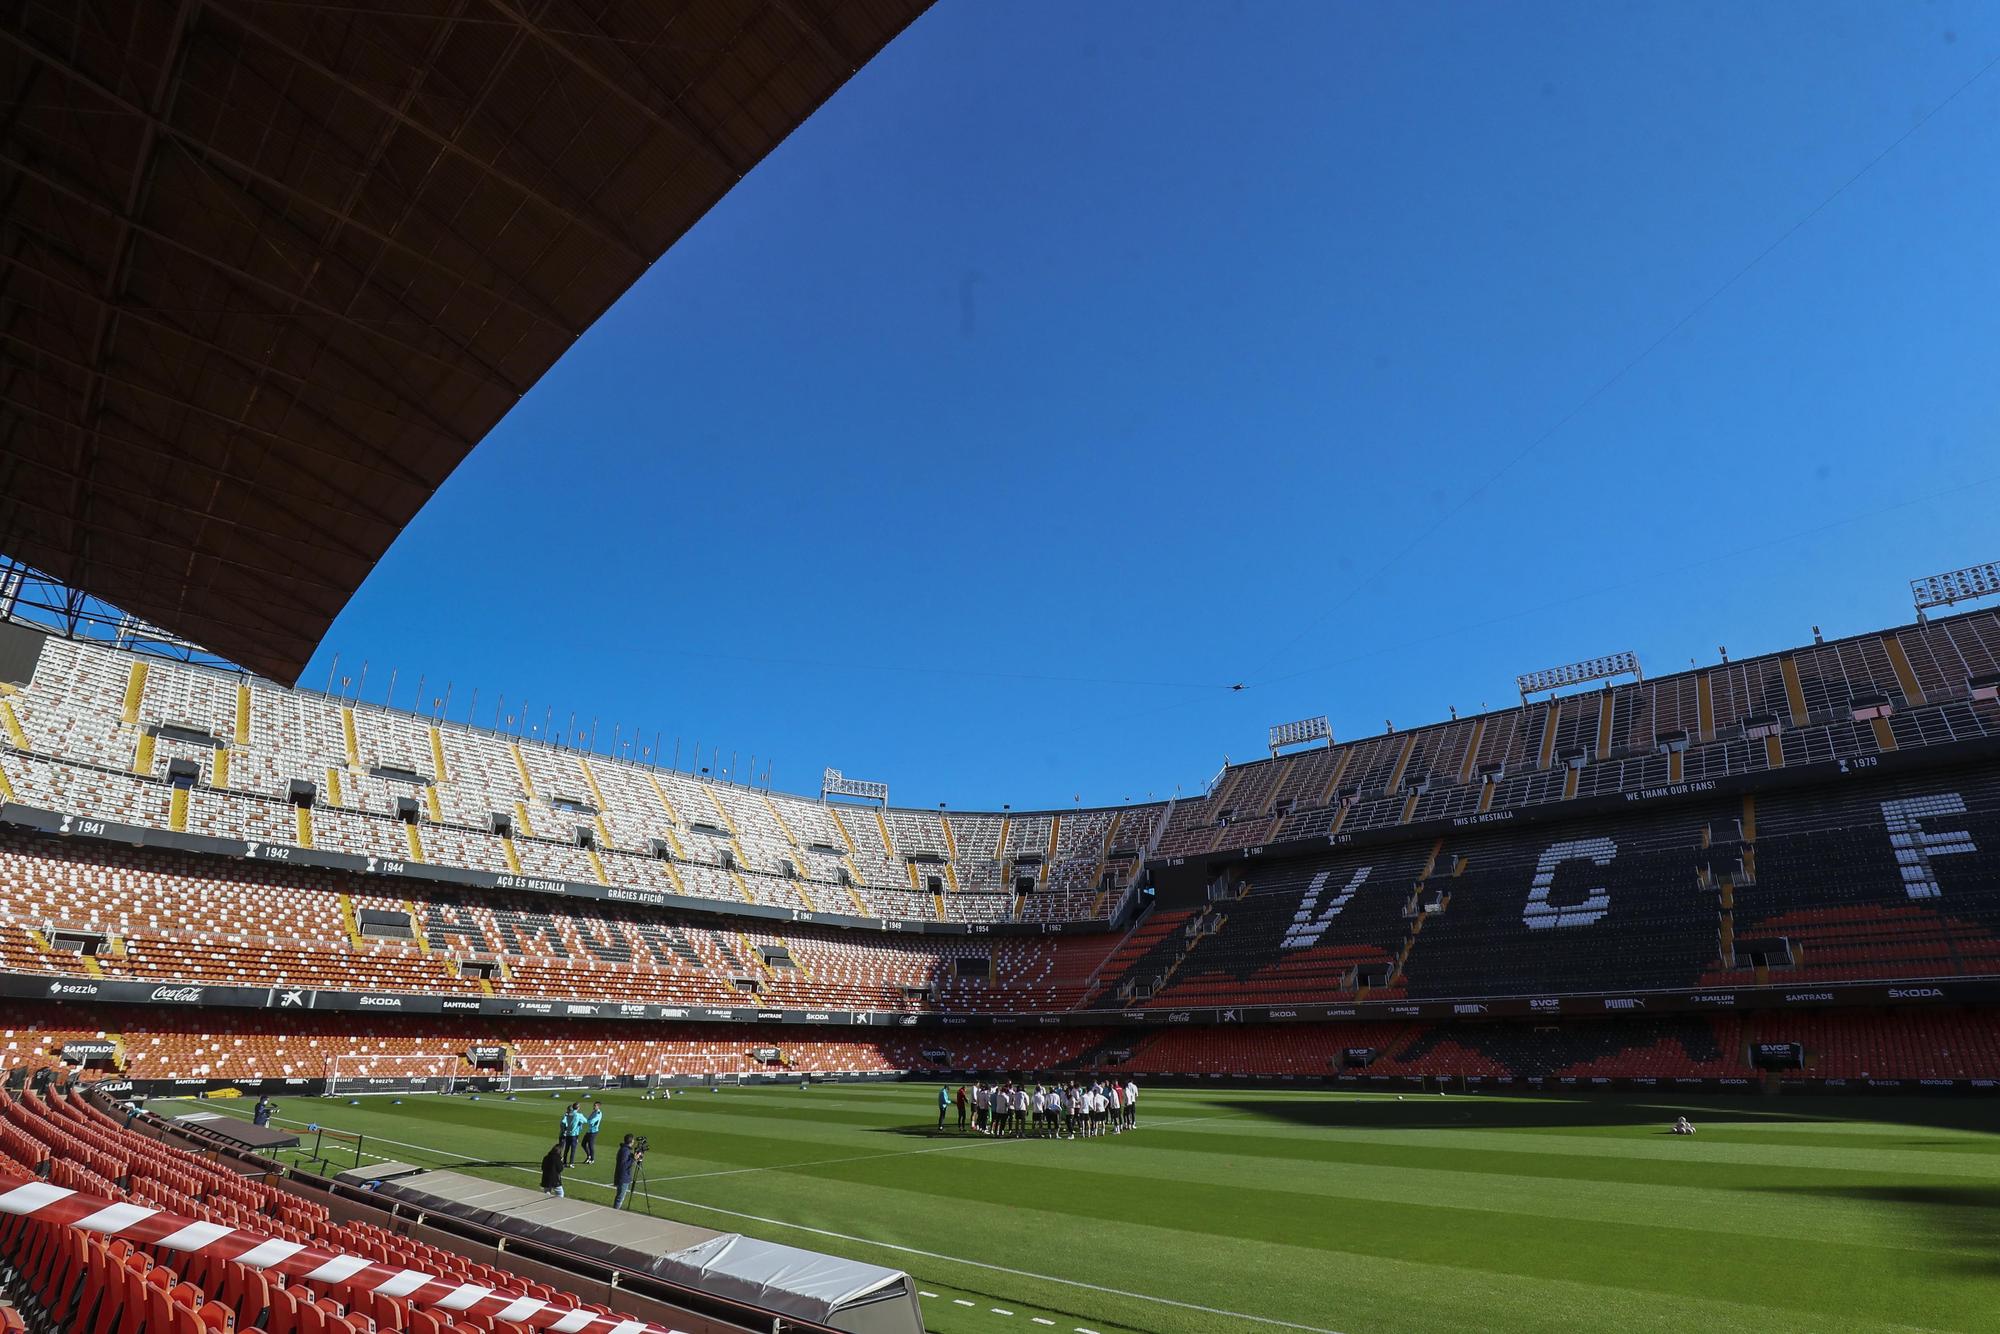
x: 559, y: 1070
x: 360, y: 1072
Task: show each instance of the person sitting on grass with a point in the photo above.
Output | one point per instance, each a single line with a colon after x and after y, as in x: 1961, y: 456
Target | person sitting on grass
x: 552, y: 1171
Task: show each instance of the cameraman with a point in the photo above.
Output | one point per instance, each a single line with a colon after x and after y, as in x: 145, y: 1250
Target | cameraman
x: 630, y: 1155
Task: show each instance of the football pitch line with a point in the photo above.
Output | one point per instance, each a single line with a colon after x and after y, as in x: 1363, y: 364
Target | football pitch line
x: 869, y: 1241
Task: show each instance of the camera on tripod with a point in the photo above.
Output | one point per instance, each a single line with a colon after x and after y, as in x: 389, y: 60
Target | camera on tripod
x: 641, y: 1143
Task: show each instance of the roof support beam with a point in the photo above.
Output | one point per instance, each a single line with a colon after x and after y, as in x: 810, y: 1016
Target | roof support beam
x: 365, y: 327
x: 194, y: 147
x: 673, y: 116
x: 591, y: 225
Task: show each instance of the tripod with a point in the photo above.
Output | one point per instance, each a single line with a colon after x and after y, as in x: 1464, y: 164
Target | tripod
x: 642, y: 1188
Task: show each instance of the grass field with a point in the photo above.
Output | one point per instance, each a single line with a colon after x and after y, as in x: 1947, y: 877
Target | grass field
x: 1237, y: 1211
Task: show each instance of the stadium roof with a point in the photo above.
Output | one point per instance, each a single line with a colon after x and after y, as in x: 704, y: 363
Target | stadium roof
x: 269, y: 270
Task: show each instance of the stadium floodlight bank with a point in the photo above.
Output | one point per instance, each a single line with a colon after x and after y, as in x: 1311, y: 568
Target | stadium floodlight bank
x: 1941, y: 590
x: 356, y: 1073
x: 1300, y: 733
x: 832, y: 783
x: 1577, y: 673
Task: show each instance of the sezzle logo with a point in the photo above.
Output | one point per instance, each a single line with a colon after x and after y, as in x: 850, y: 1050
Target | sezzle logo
x: 72, y: 988
x: 1915, y: 993
x: 183, y: 995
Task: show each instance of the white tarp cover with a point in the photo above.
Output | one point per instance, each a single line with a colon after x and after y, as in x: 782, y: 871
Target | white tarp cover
x: 825, y: 1289
x: 785, y: 1280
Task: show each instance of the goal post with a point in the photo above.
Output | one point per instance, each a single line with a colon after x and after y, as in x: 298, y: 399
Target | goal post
x: 358, y: 1073
x: 556, y: 1070
x: 715, y: 1074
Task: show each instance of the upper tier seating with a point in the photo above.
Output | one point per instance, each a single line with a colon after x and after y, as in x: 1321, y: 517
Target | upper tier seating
x: 1879, y: 879
x: 1610, y: 904
x: 1304, y: 929
x: 90, y: 719
x: 1866, y: 880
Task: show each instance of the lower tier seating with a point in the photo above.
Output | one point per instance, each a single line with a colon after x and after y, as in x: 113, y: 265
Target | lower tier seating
x: 1929, y: 1043
x: 80, y: 1282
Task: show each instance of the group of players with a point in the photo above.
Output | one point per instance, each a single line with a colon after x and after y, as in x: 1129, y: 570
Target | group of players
x: 1075, y: 1110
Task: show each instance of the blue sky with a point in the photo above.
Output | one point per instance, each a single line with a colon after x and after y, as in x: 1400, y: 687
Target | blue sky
x: 1076, y: 362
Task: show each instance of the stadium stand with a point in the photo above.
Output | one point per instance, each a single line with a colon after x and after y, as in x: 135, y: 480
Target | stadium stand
x: 1951, y: 1043
x: 81, y: 1282
x: 1294, y: 881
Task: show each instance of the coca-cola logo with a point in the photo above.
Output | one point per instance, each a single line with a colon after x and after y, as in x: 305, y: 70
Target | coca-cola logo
x: 178, y: 995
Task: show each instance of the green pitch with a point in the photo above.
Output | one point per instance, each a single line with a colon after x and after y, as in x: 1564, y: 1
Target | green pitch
x: 1230, y: 1212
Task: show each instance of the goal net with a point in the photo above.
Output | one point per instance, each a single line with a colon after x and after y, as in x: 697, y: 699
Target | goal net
x: 559, y: 1070
x: 371, y: 1072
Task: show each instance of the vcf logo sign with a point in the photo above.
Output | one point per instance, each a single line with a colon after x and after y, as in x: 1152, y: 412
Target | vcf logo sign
x: 1915, y: 845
